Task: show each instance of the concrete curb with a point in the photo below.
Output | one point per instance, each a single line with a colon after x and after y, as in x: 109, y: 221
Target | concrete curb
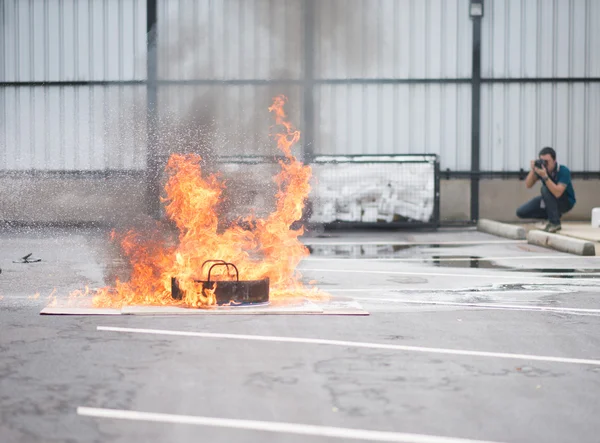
x: 501, y: 229
x: 561, y: 243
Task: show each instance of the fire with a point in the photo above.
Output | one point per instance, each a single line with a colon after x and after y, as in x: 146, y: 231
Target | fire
x: 269, y: 249
x: 52, y: 300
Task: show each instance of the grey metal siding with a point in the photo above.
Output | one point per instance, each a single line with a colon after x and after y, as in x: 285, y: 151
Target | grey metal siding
x: 233, y: 40
x: 391, y: 76
x: 73, y: 127
x: 541, y: 39
x: 239, y: 40
x: 519, y: 119
x: 65, y: 40
x: 533, y: 40
x: 248, y: 43
x: 392, y: 40
x: 407, y: 39
x: 230, y: 39
x: 396, y: 119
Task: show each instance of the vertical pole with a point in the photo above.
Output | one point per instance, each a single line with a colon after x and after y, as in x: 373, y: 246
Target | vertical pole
x: 475, y: 117
x: 152, y: 154
x: 436, y: 190
x: 308, y: 131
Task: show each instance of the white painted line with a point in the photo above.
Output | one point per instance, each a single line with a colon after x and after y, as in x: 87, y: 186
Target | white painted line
x: 384, y: 242
x: 353, y: 344
x: 450, y: 259
x: 483, y: 305
x: 532, y: 276
x: 482, y: 290
x: 267, y: 426
x: 24, y: 297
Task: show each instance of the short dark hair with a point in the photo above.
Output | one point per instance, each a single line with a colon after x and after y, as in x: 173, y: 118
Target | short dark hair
x: 548, y: 150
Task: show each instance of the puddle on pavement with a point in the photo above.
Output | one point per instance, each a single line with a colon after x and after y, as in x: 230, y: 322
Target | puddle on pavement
x: 441, y: 261
x: 352, y: 251
x: 503, y: 287
x: 369, y: 251
x: 564, y: 273
x: 462, y: 261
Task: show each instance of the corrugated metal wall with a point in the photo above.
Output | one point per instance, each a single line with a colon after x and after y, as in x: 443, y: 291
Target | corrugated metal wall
x: 391, y: 40
x: 68, y: 126
x: 406, y: 39
x: 355, y: 40
x: 390, y: 76
x: 60, y: 40
x: 549, y: 40
x: 228, y: 52
x: 230, y: 39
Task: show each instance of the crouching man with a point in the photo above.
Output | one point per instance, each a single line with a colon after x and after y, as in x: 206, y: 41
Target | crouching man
x: 558, y: 195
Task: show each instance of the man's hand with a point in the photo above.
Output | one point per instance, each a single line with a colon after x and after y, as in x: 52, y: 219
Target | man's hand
x: 543, y: 173
x: 532, y: 176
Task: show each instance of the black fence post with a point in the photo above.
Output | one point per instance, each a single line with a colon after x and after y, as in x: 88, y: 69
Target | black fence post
x: 308, y: 119
x: 436, y: 191
x: 476, y: 13
x: 152, y: 154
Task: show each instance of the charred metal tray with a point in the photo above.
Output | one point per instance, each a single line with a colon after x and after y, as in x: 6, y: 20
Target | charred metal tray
x: 229, y: 292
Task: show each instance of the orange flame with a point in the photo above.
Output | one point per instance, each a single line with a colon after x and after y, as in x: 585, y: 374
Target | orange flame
x: 52, y: 300
x: 271, y: 249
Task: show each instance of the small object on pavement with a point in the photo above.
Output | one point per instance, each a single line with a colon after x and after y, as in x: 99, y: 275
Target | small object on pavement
x: 27, y: 259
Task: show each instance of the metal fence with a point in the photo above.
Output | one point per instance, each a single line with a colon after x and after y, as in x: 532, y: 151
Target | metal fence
x: 116, y: 85
x: 347, y: 190
x: 376, y: 190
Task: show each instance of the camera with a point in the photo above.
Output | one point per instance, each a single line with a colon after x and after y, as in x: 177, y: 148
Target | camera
x: 539, y: 163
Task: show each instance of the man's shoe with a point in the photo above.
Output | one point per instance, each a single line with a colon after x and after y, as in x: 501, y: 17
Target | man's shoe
x: 551, y: 227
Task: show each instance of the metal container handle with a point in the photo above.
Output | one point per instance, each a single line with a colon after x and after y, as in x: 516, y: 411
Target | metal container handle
x: 215, y: 261
x: 222, y: 262
x: 237, y: 274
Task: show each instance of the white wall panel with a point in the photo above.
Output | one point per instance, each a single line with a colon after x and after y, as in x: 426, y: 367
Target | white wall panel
x: 83, y: 40
x: 548, y: 38
x: 393, y: 39
x: 97, y: 127
x: 517, y: 120
x: 396, y: 119
x: 230, y: 39
x: 73, y: 128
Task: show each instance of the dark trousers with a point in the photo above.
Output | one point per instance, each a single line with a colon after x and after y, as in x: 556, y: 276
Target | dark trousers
x: 554, y: 207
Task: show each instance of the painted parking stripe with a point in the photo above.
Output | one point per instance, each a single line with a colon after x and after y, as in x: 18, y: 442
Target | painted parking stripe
x: 458, y: 291
x: 533, y: 276
x: 267, y: 426
x: 385, y: 242
x: 353, y: 344
x: 484, y: 305
x: 457, y: 259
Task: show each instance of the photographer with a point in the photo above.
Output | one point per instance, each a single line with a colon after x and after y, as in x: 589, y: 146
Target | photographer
x: 558, y: 196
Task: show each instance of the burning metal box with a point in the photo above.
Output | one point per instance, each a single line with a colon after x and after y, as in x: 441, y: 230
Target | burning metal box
x: 228, y: 292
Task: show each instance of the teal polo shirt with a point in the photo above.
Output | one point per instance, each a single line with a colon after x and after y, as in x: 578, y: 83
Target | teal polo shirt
x: 563, y: 175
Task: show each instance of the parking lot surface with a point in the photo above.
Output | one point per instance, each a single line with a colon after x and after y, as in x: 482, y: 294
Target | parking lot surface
x: 470, y: 337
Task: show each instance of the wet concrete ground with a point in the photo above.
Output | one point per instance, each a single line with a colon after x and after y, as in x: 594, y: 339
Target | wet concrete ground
x: 427, y: 292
